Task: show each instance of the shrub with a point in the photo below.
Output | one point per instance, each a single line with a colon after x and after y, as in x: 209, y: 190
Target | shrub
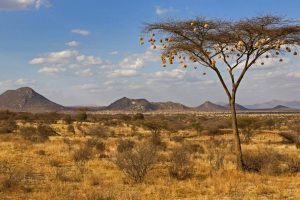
x: 196, y: 148
x: 125, y: 145
x: 82, y: 154
x: 181, y: 165
x: 294, y: 165
x: 291, y: 137
x: 156, y: 141
x: 7, y: 126
x: 177, y: 138
x: 138, y: 116
x: 39, y: 134
x: 99, y: 131
x: 71, y: 129
x: 95, y: 143
x: 68, y: 119
x: 15, y: 177
x: 216, y: 153
x: 81, y: 116
x: 137, y: 162
x: 265, y: 161
x: 248, y: 126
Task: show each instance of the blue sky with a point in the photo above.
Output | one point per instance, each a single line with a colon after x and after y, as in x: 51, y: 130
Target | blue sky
x: 86, y: 52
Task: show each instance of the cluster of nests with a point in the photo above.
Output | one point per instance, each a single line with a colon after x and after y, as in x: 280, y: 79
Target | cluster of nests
x: 233, y: 50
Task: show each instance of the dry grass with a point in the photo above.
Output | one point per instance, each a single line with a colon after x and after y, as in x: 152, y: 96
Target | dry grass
x: 82, y: 166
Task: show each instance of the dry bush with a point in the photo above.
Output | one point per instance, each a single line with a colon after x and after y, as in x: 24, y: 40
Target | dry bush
x: 95, y: 144
x: 294, y: 165
x: 216, y: 153
x: 82, y: 154
x: 177, y: 138
x: 291, y: 137
x: 39, y: 134
x: 99, y: 131
x: 71, y: 129
x: 12, y: 177
x: 137, y: 162
x: 96, y: 195
x: 157, y: 141
x: 181, y: 166
x: 265, y: 161
x: 248, y: 125
x: 196, y: 148
x: 7, y: 126
x: 68, y: 175
x: 125, y: 145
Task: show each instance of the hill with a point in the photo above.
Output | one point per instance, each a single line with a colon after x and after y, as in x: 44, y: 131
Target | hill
x: 210, y: 107
x: 25, y: 99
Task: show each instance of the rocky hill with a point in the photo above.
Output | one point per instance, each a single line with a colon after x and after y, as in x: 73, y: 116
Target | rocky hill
x: 27, y: 100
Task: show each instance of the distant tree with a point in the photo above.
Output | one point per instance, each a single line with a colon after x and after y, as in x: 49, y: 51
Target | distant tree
x: 233, y: 45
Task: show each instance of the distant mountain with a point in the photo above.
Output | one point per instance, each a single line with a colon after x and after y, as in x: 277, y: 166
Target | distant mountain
x: 274, y: 103
x: 169, y: 106
x: 210, y: 107
x: 25, y: 99
x: 126, y: 104
x: 237, y: 107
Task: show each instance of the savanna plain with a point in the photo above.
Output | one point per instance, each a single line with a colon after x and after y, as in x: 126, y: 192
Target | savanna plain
x: 94, y: 156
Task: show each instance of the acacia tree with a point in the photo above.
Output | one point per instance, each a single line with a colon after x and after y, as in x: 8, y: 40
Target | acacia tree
x: 220, y: 44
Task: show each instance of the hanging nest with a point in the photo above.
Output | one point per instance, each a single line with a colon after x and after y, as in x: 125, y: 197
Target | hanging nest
x: 164, y: 65
x: 206, y: 26
x: 161, y: 40
x: 267, y: 56
x: 192, y: 23
x: 195, y: 67
x: 213, y: 63
x: 262, y: 63
x: 141, y: 43
x: 163, y: 59
x: 295, y: 53
x: 277, y: 53
x: 153, y: 46
x: 288, y: 49
x: 204, y: 73
x: 141, y: 39
x: 280, y: 60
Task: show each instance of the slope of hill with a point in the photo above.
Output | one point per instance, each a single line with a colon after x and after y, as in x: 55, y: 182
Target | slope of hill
x: 274, y: 103
x: 169, y: 106
x: 210, y: 107
x: 126, y: 104
x: 27, y: 100
x: 237, y: 107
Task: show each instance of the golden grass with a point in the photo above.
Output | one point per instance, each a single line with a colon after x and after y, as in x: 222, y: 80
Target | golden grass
x: 53, y: 174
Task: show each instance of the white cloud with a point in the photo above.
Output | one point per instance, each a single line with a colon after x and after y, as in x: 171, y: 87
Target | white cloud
x: 21, y: 82
x: 160, y: 11
x: 23, y: 4
x: 51, y: 70
x: 130, y: 65
x: 67, y: 60
x: 72, y: 44
x: 173, y: 74
x: 85, y: 73
x: 81, y: 32
x: 90, y: 87
x: 294, y: 74
x: 123, y: 73
x: 114, y: 52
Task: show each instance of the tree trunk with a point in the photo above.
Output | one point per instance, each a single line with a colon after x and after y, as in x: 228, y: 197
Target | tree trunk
x: 237, y: 141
